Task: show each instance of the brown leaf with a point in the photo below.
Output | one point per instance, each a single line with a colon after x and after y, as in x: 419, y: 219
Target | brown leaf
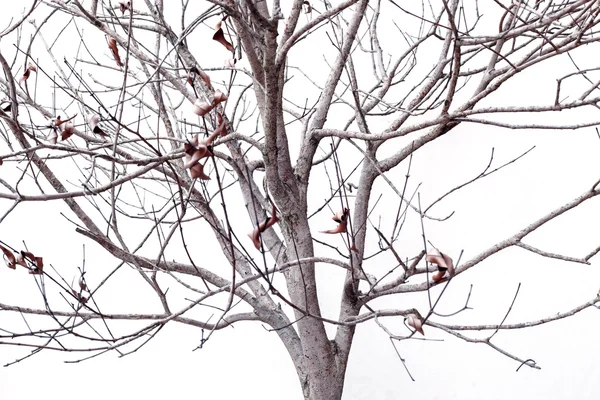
x: 222, y: 128
x: 307, y: 7
x: 112, y: 45
x: 219, y: 97
x: 219, y: 36
x: 342, y: 219
x: 194, y: 73
x: 30, y: 68
x: 124, y: 6
x: 415, y: 323
x: 38, y: 264
x: 94, y: 121
x: 197, y: 171
x: 269, y: 222
x: 9, y: 258
x: 82, y: 283
x: 67, y: 131
x: 443, y: 261
x: 201, y: 108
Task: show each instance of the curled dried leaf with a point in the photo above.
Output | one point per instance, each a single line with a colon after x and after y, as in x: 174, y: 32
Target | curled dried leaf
x: 307, y: 7
x: 219, y: 97
x: 28, y: 70
x: 67, y: 131
x: 112, y: 45
x: 201, y: 108
x: 263, y: 226
x: 9, y: 257
x: 94, y: 123
x: 82, y: 284
x: 443, y: 262
x: 222, y: 127
x: 341, y: 218
x: 197, y: 171
x: 124, y: 6
x: 219, y: 36
x: 6, y: 106
x: 415, y: 322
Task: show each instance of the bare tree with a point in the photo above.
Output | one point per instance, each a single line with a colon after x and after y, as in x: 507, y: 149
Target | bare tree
x: 195, y: 145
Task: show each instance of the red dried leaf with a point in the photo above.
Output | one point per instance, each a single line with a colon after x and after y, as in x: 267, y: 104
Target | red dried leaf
x: 219, y: 36
x: 222, y: 128
x: 443, y: 261
x: 201, y: 108
x: 341, y: 218
x: 414, y: 322
x: 219, y: 97
x: 124, y: 6
x: 67, y: 131
x: 197, y: 171
x: 94, y: 121
x: 9, y: 258
x: 307, y: 7
x: 30, y: 68
x: 269, y: 222
x: 112, y: 45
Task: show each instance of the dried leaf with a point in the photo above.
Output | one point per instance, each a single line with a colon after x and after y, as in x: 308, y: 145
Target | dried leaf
x: 443, y: 262
x: 230, y: 63
x: 201, y: 108
x: 219, y: 36
x: 94, y: 123
x: 307, y: 7
x: 6, y: 106
x: 112, y: 45
x: 269, y: 222
x: 28, y: 70
x: 197, y: 171
x: 222, y: 126
x: 82, y: 284
x: 342, y: 219
x: 9, y: 258
x: 124, y: 6
x: 219, y: 97
x: 414, y: 322
x: 67, y: 131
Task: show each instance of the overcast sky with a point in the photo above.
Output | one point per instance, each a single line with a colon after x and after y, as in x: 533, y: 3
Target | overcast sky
x: 246, y: 361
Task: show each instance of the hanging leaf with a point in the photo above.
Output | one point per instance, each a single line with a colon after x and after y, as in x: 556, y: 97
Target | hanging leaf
x: 28, y: 70
x: 124, y: 6
x: 307, y: 7
x: 341, y: 218
x: 415, y: 322
x: 219, y: 36
x: 269, y: 222
x: 201, y: 108
x: 219, y: 97
x: 112, y: 45
x: 197, y: 171
x: 94, y: 123
x: 67, y: 131
x: 9, y: 258
x: 443, y: 261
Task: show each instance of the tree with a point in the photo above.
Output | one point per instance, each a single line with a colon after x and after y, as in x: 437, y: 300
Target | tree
x: 168, y: 145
